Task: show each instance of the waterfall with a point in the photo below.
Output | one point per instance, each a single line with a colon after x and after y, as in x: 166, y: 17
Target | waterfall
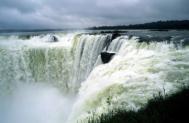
x: 135, y: 75
x: 67, y: 79
x: 64, y: 64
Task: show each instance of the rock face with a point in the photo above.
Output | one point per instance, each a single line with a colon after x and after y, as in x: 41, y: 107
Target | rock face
x: 53, y: 38
x: 106, y: 57
x: 115, y: 35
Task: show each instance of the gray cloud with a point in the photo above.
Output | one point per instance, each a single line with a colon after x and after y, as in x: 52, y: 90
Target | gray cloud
x: 39, y: 14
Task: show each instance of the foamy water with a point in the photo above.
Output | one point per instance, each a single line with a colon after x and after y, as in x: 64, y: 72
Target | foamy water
x: 66, y: 82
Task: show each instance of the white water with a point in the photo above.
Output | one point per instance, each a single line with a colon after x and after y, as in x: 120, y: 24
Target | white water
x: 64, y: 64
x: 136, y: 74
x: 37, y: 77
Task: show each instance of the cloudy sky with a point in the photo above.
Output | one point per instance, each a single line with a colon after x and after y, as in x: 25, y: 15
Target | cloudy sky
x: 43, y: 14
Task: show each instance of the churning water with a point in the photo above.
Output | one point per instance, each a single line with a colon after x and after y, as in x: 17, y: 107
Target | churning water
x: 65, y: 81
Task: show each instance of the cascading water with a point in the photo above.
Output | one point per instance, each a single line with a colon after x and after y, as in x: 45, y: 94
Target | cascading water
x: 65, y: 81
x: 63, y: 64
x: 137, y: 73
x: 39, y: 64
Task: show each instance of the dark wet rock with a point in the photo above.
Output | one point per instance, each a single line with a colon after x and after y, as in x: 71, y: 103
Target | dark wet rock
x: 107, y: 43
x: 53, y: 39
x: 115, y: 35
x: 130, y: 36
x: 106, y: 57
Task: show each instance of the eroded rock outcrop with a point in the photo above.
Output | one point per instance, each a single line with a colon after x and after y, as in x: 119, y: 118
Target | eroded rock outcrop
x: 52, y: 38
x: 106, y: 57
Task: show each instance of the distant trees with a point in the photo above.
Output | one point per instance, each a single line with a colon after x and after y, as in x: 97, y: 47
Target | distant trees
x: 160, y: 25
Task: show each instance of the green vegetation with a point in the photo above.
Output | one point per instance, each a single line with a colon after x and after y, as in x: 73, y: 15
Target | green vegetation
x: 162, y: 109
x: 155, y: 26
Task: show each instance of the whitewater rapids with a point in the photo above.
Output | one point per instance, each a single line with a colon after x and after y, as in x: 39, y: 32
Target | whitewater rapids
x: 66, y: 81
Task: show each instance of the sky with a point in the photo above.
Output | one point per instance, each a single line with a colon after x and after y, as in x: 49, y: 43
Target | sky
x: 60, y: 14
